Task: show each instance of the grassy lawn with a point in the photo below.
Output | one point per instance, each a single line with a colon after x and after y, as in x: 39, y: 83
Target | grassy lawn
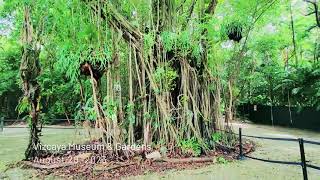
x: 14, y: 141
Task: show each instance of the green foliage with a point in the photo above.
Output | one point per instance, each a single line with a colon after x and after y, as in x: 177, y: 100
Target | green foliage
x: 222, y: 160
x: 225, y: 138
x: 165, y: 76
x: 9, y: 66
x: 130, y: 113
x: 233, y: 27
x: 190, y: 147
x: 148, y: 42
x: 152, y: 115
x: 89, y: 110
x: 59, y: 93
x: 169, y: 40
x: 110, y: 108
x: 24, y: 106
x: 217, y: 136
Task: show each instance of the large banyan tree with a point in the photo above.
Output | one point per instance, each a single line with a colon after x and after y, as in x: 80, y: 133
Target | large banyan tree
x: 144, y: 74
x: 170, y: 93
x: 152, y: 72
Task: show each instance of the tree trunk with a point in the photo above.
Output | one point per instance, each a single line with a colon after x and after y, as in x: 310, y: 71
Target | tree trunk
x: 29, y: 71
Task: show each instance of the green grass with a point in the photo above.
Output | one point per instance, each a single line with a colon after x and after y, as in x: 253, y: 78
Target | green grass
x: 13, y: 143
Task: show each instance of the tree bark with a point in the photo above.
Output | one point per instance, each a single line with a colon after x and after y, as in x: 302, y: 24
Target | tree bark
x: 29, y: 71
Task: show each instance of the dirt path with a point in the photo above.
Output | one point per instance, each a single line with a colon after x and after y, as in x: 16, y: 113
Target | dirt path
x: 13, y: 143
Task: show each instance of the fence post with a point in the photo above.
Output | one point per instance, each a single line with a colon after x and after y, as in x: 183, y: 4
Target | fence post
x: 1, y: 124
x: 303, y: 160
x: 240, y: 144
